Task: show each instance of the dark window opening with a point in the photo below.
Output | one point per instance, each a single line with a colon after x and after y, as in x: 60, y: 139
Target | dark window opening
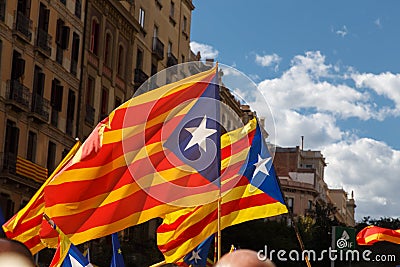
x: 78, y: 8
x: 6, y: 205
x: 70, y: 111
x: 104, y: 104
x: 118, y: 102
x: 51, y: 157
x: 121, y: 56
x: 94, y: 38
x: 56, y: 101
x: 32, y: 141
x: 108, y: 50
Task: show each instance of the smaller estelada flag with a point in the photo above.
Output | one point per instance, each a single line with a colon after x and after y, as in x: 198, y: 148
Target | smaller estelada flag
x: 117, y: 258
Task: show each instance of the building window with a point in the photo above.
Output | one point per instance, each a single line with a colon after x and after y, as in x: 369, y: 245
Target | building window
x: 62, y: 39
x: 172, y: 10
x: 63, y: 1
x: 18, y: 66
x: 153, y: 69
x: 6, y: 205
x: 70, y: 111
x: 94, y: 37
x: 139, y: 59
x: 1, y: 50
x: 90, y: 110
x: 24, y: 8
x: 56, y: 101
x: 121, y: 57
x: 141, y: 17
x: 2, y: 10
x: 169, y: 47
x: 108, y: 50
x: 104, y: 104
x: 51, y: 157
x: 44, y: 15
x: 38, y: 82
x: 31, y: 153
x: 184, y: 26
x: 118, y: 102
x: 11, y: 145
x: 75, y: 53
x: 183, y: 59
x: 78, y: 8
x: 155, y: 31
x: 90, y: 91
x: 310, y: 205
x: 290, y: 203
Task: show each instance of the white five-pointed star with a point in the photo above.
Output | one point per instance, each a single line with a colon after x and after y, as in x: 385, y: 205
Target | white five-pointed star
x: 261, y: 165
x: 199, y: 134
x: 195, y: 256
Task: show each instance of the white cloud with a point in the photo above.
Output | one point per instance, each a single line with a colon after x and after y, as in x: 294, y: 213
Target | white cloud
x: 343, y: 32
x: 385, y: 84
x: 306, y: 85
x: 268, y: 60
x: 311, y: 98
x: 371, y: 169
x: 378, y: 23
x: 206, y: 51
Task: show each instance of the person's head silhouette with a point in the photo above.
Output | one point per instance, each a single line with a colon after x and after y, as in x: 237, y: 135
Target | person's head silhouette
x: 14, y: 253
x: 243, y: 258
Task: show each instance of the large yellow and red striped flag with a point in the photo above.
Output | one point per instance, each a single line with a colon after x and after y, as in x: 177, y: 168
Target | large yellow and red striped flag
x: 132, y: 168
x: 126, y: 172
x: 252, y: 192
x: 25, y: 225
x: 372, y: 234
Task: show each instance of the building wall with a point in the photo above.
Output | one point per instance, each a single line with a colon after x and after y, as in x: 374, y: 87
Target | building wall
x: 41, y: 112
x: 302, y: 179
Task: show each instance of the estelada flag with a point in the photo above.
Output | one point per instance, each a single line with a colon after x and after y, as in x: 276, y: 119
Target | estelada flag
x: 154, y: 154
x: 251, y: 193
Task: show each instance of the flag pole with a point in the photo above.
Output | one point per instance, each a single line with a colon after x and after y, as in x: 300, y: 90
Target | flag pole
x: 219, y: 191
x: 161, y: 263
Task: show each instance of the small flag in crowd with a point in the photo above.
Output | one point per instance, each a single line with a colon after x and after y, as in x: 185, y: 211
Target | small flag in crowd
x: 117, y: 259
x: 67, y: 255
x: 198, y: 256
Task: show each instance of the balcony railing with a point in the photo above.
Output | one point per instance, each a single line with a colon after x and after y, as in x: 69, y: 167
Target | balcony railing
x: 41, y: 107
x: 18, y: 93
x: 171, y: 60
x: 23, y: 25
x: 158, y: 48
x: 44, y: 41
x: 89, y: 116
x: 140, y: 76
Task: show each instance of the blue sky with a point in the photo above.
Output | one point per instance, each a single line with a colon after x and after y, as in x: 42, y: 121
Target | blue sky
x: 330, y: 71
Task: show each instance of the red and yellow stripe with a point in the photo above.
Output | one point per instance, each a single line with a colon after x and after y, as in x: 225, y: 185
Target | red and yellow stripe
x: 109, y: 184
x: 372, y: 234
x: 185, y: 229
x: 31, y: 170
